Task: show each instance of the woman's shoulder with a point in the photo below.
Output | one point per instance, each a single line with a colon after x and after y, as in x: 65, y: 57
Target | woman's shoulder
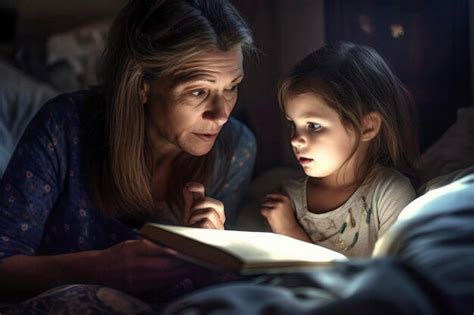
x: 62, y: 108
x: 238, y: 139
x: 239, y: 132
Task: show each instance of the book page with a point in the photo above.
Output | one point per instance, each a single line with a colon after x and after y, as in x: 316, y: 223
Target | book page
x: 258, y: 246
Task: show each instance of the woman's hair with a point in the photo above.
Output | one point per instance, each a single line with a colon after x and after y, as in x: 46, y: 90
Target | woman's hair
x: 355, y: 80
x: 150, y: 38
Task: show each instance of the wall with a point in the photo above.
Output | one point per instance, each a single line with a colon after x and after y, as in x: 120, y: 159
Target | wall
x: 46, y: 16
x: 471, y: 38
x: 284, y: 31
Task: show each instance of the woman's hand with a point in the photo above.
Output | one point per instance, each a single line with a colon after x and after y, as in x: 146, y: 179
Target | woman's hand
x: 201, y: 211
x: 138, y: 266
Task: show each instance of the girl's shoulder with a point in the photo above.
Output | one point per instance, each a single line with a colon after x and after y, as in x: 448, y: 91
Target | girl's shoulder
x: 389, y: 176
x: 388, y: 182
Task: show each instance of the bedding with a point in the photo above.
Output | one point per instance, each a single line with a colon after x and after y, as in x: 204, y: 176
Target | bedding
x: 424, y: 265
x: 20, y: 98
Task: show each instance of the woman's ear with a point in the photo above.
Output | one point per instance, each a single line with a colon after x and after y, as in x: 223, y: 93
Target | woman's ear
x: 371, y: 124
x: 144, y: 93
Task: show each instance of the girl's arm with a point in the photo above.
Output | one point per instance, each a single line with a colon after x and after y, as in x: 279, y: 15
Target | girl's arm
x: 391, y: 196
x: 280, y: 215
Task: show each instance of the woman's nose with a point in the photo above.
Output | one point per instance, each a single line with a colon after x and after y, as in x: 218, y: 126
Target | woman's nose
x: 219, y: 110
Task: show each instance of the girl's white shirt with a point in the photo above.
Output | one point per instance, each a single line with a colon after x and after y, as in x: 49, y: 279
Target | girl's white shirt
x: 354, y: 227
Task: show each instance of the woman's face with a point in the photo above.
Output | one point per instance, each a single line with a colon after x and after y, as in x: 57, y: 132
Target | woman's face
x: 186, y: 110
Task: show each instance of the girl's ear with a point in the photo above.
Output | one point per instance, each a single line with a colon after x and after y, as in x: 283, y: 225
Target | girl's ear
x: 144, y: 93
x: 371, y: 124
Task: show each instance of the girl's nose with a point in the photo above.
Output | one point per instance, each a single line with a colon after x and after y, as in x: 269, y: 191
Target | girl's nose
x: 297, y: 140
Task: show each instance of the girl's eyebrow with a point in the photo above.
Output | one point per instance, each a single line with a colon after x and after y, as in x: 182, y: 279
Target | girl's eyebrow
x: 313, y: 115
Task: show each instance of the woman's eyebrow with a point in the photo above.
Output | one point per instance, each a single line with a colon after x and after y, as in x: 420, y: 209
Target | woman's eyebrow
x: 239, y: 77
x: 207, y: 78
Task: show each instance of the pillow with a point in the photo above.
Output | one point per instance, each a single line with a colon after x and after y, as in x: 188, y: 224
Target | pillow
x: 444, y: 180
x: 453, y: 151
x: 20, y: 99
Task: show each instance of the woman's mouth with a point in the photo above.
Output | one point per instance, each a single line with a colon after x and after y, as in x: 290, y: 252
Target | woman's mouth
x: 207, y: 136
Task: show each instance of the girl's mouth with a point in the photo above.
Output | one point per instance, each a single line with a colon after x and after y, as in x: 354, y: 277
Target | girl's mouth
x: 304, y: 161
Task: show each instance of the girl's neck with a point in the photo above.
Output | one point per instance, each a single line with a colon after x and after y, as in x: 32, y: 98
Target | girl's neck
x: 329, y: 193
x: 324, y: 196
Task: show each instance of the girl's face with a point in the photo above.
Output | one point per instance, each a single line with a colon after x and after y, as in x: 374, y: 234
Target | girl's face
x: 320, y: 141
x: 186, y: 110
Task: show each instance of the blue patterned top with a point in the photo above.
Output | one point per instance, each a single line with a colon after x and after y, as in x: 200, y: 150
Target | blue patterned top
x: 46, y: 207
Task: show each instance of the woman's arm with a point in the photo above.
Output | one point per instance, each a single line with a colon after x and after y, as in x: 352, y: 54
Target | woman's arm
x: 133, y: 266
x: 33, y: 274
x: 29, y: 191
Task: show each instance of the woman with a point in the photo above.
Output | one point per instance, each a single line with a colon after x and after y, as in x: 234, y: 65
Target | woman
x: 93, y: 166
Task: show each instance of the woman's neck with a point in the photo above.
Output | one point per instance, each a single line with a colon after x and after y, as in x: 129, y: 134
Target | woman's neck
x: 162, y: 169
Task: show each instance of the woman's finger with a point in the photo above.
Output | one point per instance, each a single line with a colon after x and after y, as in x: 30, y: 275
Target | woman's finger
x: 213, y: 204
x: 192, y: 193
x: 276, y: 197
x: 270, y: 204
x: 206, y: 218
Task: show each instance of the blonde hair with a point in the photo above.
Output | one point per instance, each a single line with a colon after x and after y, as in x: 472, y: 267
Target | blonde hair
x: 355, y: 80
x: 146, y: 40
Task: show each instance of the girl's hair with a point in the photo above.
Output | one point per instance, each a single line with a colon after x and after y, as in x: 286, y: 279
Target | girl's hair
x: 150, y: 38
x: 355, y: 80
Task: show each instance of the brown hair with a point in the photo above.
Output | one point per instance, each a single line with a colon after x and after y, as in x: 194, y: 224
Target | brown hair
x: 150, y: 38
x: 355, y: 80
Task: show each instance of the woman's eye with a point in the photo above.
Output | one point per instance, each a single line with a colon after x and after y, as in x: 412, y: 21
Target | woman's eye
x: 198, y: 92
x: 233, y: 88
x: 290, y: 124
x: 314, y: 127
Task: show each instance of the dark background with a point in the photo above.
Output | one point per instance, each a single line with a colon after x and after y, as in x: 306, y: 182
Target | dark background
x: 428, y: 44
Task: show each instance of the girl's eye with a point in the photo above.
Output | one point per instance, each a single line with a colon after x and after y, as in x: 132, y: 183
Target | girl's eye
x: 290, y: 124
x: 314, y: 127
x: 198, y: 93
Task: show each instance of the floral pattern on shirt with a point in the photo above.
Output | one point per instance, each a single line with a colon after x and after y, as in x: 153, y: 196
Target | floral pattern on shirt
x: 45, y: 205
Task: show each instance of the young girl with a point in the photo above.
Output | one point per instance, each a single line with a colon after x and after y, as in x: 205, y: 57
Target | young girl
x: 353, y: 135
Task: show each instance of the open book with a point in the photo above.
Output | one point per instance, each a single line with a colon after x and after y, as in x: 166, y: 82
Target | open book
x: 241, y: 251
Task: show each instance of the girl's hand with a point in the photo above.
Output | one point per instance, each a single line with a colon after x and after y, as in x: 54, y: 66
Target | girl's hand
x: 278, y: 211
x: 201, y: 211
x: 139, y: 265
